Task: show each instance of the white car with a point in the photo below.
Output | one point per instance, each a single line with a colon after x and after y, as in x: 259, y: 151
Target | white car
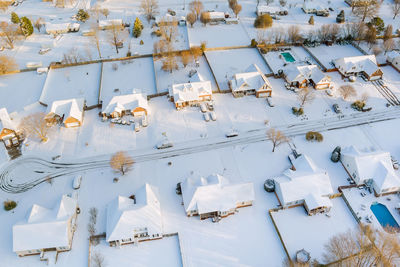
x: 232, y: 133
x: 144, y: 121
x: 329, y: 92
x: 164, y: 144
x: 77, y: 182
x: 213, y: 116
x: 206, y: 117
x: 43, y: 51
x: 270, y: 102
x: 137, y: 127
x: 203, y: 107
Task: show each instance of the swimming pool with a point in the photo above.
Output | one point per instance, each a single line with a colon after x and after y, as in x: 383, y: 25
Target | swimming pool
x: 384, y: 216
x: 288, y: 57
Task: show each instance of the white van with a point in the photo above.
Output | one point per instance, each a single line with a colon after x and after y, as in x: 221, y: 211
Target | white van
x: 213, y: 116
x: 77, y: 182
x: 206, y: 117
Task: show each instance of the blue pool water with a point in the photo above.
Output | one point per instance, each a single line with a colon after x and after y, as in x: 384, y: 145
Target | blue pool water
x: 384, y: 216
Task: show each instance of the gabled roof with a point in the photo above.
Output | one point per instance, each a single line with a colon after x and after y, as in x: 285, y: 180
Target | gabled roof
x: 185, y: 92
x: 109, y: 22
x: 45, y: 228
x: 214, y: 193
x: 306, y: 179
x: 126, y: 102
x: 124, y: 215
x: 314, y: 201
x: 306, y: 72
x: 252, y: 78
x: 366, y: 63
x: 393, y: 55
x: 5, y: 120
x: 67, y: 108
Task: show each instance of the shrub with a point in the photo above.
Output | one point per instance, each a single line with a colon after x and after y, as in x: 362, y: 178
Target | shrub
x: 156, y: 33
x: 141, y: 42
x: 314, y: 136
x: 203, y: 46
x: 311, y: 20
x: 129, y: 54
x: 263, y: 21
x: 297, y: 111
x: 82, y: 15
x: 137, y: 28
x: 253, y: 43
x: 358, y: 105
x: 10, y: 205
x: 14, y: 18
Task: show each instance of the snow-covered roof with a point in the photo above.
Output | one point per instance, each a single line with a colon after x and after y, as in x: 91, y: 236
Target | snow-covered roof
x: 52, y: 27
x: 314, y: 5
x: 315, y: 201
x: 214, y: 193
x: 252, y: 78
x: 269, y: 9
x: 393, y: 55
x: 126, y: 102
x: 216, y: 15
x: 45, y: 228
x: 124, y: 216
x: 375, y: 165
x: 109, y: 22
x: 68, y: 108
x: 296, y: 185
x: 186, y: 92
x: 306, y: 72
x: 5, y: 120
x: 366, y: 63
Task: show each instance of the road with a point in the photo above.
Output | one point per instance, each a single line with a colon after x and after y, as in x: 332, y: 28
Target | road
x: 14, y: 177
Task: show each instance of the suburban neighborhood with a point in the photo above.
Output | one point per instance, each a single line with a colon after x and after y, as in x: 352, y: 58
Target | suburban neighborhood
x: 199, y: 133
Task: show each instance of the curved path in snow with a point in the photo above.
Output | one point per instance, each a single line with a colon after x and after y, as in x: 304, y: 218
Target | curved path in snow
x: 25, y: 173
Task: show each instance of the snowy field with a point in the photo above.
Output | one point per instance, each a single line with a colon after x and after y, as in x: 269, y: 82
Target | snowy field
x: 312, y: 232
x: 226, y: 63
x: 20, y: 90
x: 126, y: 76
x: 327, y: 54
x: 72, y: 82
x: 163, y: 252
x: 166, y: 79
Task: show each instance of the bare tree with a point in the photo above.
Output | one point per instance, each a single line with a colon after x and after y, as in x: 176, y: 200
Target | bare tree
x: 95, y: 37
x: 196, y: 52
x: 196, y: 6
x: 105, y: 12
x: 323, y: 32
x: 277, y: 138
x: 7, y: 64
x: 282, y: 3
x: 191, y: 18
x: 116, y: 35
x: 35, y: 125
x: 347, y: 91
x: 4, y: 5
x: 149, y: 8
x: 186, y: 57
x: 305, y: 96
x: 73, y: 56
x: 10, y: 33
x: 388, y: 45
x: 121, y: 162
x: 236, y: 9
x: 169, y: 29
x: 205, y: 18
x: 269, y: 2
x: 334, y: 31
x: 39, y: 24
x: 98, y: 260
x: 92, y: 221
x: 370, y: 36
x: 396, y: 8
x: 366, y: 9
x: 294, y: 35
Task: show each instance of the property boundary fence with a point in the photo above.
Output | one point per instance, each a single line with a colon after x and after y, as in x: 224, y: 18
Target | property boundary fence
x: 324, y: 68
x: 277, y: 231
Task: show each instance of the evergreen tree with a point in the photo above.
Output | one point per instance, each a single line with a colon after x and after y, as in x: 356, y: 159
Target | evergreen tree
x: 137, y: 28
x: 14, y: 18
x: 26, y: 26
x: 82, y: 15
x: 311, y: 20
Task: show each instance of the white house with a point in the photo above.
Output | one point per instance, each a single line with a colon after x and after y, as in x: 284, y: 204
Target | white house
x: 214, y: 196
x: 365, y: 65
x: 373, y: 167
x: 69, y: 112
x: 135, y: 104
x: 304, y: 184
x: 8, y: 129
x: 190, y: 94
x: 60, y: 28
x: 108, y: 23
x: 393, y: 57
x: 251, y: 82
x: 270, y: 10
x: 216, y: 16
x: 314, y: 8
x: 134, y: 219
x: 46, y: 229
x: 302, y: 76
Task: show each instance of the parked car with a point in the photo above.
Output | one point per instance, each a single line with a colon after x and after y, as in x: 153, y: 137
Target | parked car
x: 164, y: 144
x: 213, y: 116
x: 144, y: 121
x: 210, y: 106
x: 203, y: 107
x: 43, y: 51
x: 329, y: 92
x: 137, y: 127
x: 77, y: 182
x: 206, y: 117
x: 270, y: 102
x: 232, y: 133
x: 336, y: 108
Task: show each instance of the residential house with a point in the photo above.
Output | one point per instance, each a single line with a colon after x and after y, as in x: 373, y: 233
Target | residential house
x: 190, y: 94
x: 304, y: 184
x: 270, y: 10
x: 69, y: 112
x: 214, y: 196
x: 134, y: 219
x: 134, y: 104
x: 8, y: 129
x: 371, y: 167
x: 359, y: 65
x: 168, y: 19
x: 216, y: 16
x: 60, y: 28
x: 315, y: 8
x: 251, y: 82
x: 46, y: 229
x: 393, y: 57
x: 302, y: 76
x: 108, y: 23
